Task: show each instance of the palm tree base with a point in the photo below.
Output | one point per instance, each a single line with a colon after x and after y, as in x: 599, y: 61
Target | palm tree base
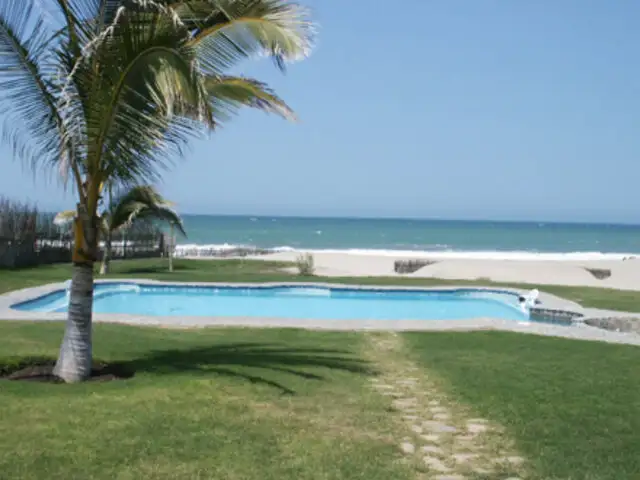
x: 74, y: 359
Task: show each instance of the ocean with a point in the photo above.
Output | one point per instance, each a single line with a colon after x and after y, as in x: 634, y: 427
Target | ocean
x: 464, y: 239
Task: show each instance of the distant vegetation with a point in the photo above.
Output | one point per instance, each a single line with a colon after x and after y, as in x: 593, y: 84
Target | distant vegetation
x: 20, y: 221
x: 305, y: 264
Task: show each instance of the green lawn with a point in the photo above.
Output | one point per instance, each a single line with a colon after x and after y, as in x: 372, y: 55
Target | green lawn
x: 225, y: 404
x: 293, y: 404
x: 572, y: 407
x: 262, y: 271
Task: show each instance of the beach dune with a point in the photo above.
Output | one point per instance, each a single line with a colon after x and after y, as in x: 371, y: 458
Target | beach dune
x: 624, y: 274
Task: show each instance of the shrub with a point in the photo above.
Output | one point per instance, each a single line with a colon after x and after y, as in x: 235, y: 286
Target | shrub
x: 305, y: 264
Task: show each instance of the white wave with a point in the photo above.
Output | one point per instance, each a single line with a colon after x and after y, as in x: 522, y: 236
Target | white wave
x: 212, y: 250
x: 283, y: 249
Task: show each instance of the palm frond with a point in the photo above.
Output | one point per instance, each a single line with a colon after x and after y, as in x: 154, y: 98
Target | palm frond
x: 142, y: 203
x: 31, y: 117
x: 227, y: 31
x: 227, y: 94
x: 150, y: 97
x: 64, y: 218
x: 162, y: 214
x: 83, y: 12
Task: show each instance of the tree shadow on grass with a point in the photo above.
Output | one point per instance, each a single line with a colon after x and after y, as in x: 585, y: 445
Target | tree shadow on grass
x: 235, y: 359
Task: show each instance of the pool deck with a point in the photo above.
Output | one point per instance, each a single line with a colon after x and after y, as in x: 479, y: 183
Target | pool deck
x: 578, y: 330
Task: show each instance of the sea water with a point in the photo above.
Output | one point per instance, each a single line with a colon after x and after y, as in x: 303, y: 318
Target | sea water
x: 472, y: 239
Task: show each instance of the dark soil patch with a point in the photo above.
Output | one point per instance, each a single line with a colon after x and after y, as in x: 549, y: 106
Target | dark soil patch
x: 43, y: 372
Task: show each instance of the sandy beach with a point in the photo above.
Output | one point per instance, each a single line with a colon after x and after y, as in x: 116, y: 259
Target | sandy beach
x: 625, y: 274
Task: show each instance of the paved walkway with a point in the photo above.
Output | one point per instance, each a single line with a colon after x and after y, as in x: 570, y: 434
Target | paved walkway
x: 442, y: 440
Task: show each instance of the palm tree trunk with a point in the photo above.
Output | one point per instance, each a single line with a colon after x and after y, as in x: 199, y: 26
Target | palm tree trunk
x: 74, y: 359
x: 171, y: 248
x: 106, y: 257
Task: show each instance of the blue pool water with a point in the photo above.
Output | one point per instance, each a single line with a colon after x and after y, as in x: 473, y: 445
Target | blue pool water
x: 291, y: 302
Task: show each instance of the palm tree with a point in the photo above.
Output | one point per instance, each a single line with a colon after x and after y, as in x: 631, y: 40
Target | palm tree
x: 111, y: 91
x: 139, y: 203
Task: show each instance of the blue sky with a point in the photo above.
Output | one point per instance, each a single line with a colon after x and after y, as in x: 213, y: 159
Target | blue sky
x: 483, y: 109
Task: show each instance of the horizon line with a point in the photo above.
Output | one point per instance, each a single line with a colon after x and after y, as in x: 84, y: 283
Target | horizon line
x: 420, y: 219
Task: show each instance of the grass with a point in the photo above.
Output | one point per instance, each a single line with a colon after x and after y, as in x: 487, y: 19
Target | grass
x: 211, y: 403
x: 265, y: 271
x: 287, y: 403
x: 572, y: 407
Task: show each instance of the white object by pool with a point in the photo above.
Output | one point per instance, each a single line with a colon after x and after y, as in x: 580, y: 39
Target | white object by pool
x: 300, y: 301
x: 529, y: 300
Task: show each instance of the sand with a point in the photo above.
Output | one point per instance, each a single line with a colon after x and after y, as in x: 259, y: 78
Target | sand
x: 625, y: 275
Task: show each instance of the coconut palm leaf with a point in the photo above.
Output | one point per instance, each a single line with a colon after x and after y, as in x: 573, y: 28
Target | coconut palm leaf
x: 227, y: 94
x: 227, y: 31
x: 142, y: 203
x: 144, y: 111
x: 161, y: 213
x: 64, y: 218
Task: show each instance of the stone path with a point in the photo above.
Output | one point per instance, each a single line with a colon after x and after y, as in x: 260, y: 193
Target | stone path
x: 442, y: 440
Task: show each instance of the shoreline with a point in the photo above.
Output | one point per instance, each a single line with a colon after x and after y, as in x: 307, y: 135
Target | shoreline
x: 230, y: 250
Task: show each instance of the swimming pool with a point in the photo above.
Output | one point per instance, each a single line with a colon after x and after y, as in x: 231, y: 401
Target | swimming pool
x: 290, y: 302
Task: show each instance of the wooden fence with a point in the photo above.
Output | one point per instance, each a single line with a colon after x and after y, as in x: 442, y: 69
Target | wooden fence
x: 29, y: 238
x: 33, y: 250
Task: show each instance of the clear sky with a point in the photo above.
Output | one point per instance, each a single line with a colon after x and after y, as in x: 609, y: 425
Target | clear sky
x: 484, y: 109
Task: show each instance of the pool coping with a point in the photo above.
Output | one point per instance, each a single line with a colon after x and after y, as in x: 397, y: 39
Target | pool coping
x: 549, y: 303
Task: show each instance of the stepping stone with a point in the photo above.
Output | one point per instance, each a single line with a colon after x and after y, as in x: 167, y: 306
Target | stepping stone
x: 435, y: 410
x: 382, y: 386
x: 430, y: 437
x: 439, y: 427
x: 464, y: 457
x: 515, y: 460
x: 432, y: 449
x: 449, y: 477
x: 482, y: 471
x: 477, y: 427
x: 407, y: 448
x: 478, y: 420
x: 465, y: 438
x: 405, y: 402
x: 442, y: 416
x: 434, y: 403
x: 408, y: 381
x: 435, y: 464
x: 416, y: 428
